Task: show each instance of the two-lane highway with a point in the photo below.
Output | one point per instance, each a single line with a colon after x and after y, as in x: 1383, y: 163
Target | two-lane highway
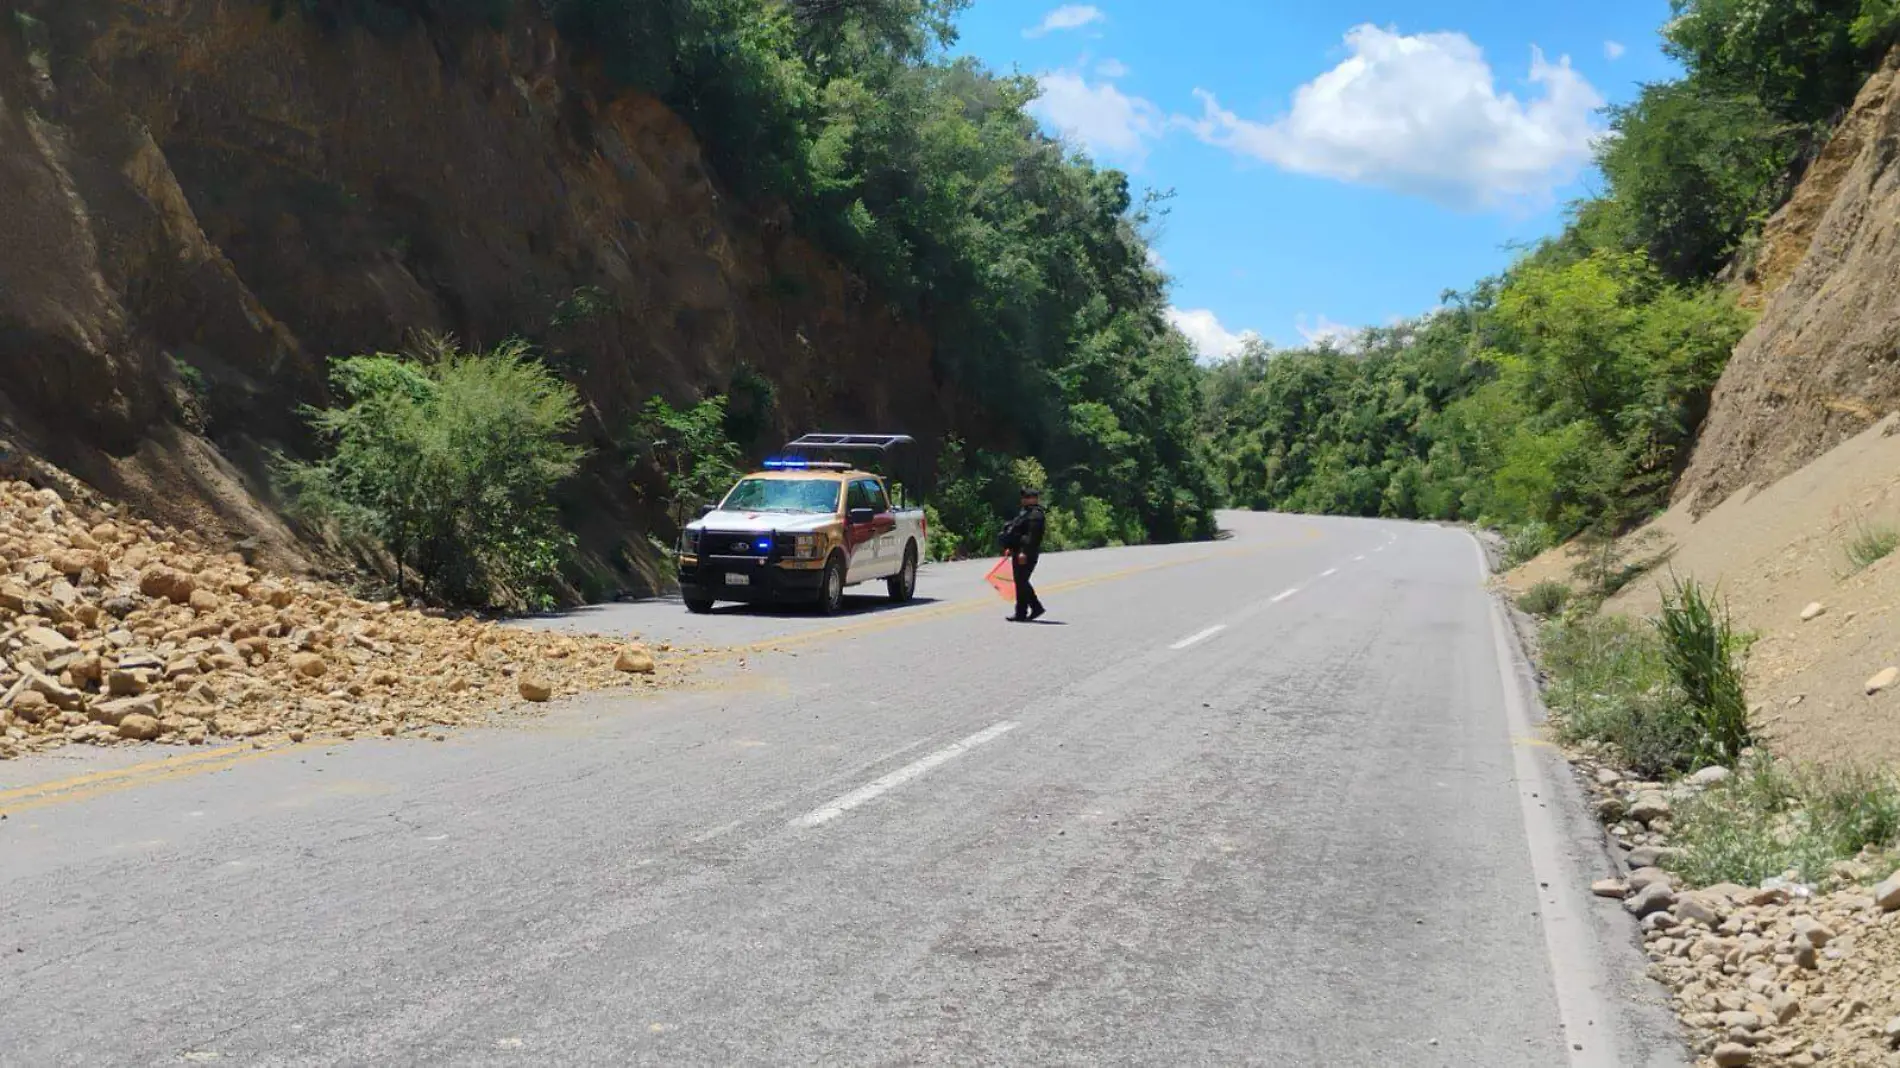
x: 1261, y: 801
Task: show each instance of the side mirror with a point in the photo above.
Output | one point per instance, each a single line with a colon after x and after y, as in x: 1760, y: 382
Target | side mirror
x: 860, y: 516
x: 707, y: 509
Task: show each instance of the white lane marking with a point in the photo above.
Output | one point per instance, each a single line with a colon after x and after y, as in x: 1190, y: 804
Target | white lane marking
x: 1329, y: 572
x: 1568, y: 940
x: 1201, y: 637
x: 1360, y: 559
x: 1284, y: 595
x: 872, y: 790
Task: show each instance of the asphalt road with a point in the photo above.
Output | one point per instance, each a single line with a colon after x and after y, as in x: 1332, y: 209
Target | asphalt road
x: 1270, y: 800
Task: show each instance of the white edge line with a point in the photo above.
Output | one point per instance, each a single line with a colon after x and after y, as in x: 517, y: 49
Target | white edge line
x: 1589, y: 1027
x: 1329, y: 572
x: 872, y: 790
x: 1201, y: 637
x: 1284, y: 595
x: 1359, y: 559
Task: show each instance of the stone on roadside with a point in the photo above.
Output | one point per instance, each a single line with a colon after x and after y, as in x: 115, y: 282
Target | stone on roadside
x: 114, y: 713
x: 309, y: 665
x: 535, y: 690
x: 1813, y: 931
x: 204, y: 601
x: 1650, y: 856
x: 1693, y: 908
x: 635, y: 660
x: 1887, y: 894
x: 1654, y: 898
x: 1614, y: 888
x: 1649, y: 808
x: 1709, y: 776
x: 1813, y: 611
x: 49, y: 641
x: 1891, y: 1033
x: 1732, y: 1055
x: 1887, y: 677
x: 31, y: 706
x: 139, y: 727
x: 1642, y: 878
x: 1608, y: 776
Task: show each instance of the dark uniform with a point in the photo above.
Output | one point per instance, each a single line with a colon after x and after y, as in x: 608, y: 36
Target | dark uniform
x: 1023, y: 538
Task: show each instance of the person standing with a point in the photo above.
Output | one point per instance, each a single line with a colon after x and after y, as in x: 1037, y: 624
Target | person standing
x: 1022, y: 538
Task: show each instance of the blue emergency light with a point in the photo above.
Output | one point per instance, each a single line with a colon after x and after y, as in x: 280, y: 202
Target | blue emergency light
x: 783, y: 464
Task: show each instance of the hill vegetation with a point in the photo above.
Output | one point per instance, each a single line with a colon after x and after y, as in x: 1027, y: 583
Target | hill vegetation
x: 1561, y: 397
x: 927, y: 176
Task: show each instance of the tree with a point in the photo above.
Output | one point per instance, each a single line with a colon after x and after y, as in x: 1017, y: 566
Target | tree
x: 448, y: 460
x: 692, y: 449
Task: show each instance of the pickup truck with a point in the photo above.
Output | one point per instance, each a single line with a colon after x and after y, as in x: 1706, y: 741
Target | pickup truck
x: 801, y: 532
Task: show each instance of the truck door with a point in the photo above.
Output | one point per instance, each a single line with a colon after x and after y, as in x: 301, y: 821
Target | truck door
x: 890, y: 555
x: 860, y: 539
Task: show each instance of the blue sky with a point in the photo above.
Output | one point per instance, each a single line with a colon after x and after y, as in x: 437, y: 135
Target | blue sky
x: 1335, y: 164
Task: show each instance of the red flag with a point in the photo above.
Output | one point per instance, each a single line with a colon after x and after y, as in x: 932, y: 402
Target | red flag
x: 1003, y: 578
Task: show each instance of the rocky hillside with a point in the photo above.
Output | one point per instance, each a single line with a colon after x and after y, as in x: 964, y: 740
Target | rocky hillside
x: 205, y: 204
x: 1823, y: 362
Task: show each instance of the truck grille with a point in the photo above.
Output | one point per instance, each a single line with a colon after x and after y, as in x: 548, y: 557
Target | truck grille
x: 754, y: 546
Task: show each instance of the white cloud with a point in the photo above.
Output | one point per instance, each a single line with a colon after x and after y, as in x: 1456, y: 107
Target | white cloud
x: 1613, y: 50
x: 1212, y: 341
x: 1101, y: 117
x: 1067, y: 17
x: 1155, y: 260
x: 1423, y: 115
x: 1323, y: 331
x: 1112, y: 68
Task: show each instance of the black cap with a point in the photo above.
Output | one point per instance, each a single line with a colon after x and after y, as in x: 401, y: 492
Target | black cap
x: 1031, y: 491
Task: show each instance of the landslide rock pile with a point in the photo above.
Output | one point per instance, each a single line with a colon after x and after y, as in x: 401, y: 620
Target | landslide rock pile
x: 115, y: 630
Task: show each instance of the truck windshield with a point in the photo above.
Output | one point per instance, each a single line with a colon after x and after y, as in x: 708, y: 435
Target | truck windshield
x: 815, y: 495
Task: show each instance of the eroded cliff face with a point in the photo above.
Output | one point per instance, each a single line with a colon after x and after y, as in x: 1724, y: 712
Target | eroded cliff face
x: 1823, y: 363
x: 200, y: 205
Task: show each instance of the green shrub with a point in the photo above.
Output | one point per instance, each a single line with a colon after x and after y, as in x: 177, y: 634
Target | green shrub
x: 1608, y: 683
x: 1771, y: 817
x: 1546, y: 599
x: 1704, y: 656
x: 449, y: 460
x: 691, y: 449
x: 1871, y: 543
x: 1527, y: 542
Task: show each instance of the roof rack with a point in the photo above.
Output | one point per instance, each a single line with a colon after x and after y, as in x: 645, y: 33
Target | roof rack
x: 849, y: 442
x: 795, y: 463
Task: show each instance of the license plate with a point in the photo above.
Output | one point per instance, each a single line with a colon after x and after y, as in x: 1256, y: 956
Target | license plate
x: 733, y: 579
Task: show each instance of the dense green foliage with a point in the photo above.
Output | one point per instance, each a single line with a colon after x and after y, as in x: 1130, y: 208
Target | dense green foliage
x: 448, y: 460
x: 692, y: 448
x: 927, y: 176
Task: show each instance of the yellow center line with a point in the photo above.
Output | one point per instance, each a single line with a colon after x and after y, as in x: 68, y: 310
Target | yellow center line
x: 67, y: 791
x: 130, y: 771
x: 100, y: 783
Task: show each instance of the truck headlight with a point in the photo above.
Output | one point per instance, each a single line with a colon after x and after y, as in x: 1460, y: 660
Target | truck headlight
x: 805, y: 546
x: 689, y: 542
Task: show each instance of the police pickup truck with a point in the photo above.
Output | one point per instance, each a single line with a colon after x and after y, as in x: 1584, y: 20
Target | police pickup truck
x: 802, y: 530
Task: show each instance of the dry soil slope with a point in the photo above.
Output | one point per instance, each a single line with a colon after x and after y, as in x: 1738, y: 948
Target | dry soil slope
x: 1823, y: 363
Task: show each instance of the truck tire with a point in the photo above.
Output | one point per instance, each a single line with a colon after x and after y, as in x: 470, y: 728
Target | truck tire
x: 831, y: 591
x: 698, y: 606
x: 903, y: 585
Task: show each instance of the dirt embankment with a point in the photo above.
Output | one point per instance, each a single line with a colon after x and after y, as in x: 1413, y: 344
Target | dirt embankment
x: 1823, y: 363
x: 204, y: 204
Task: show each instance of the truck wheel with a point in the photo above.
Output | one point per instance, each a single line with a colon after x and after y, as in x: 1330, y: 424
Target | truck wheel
x: 831, y: 594
x: 698, y: 606
x: 903, y: 585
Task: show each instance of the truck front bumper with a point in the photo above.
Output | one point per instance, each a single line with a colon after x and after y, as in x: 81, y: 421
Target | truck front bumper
x: 748, y: 581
